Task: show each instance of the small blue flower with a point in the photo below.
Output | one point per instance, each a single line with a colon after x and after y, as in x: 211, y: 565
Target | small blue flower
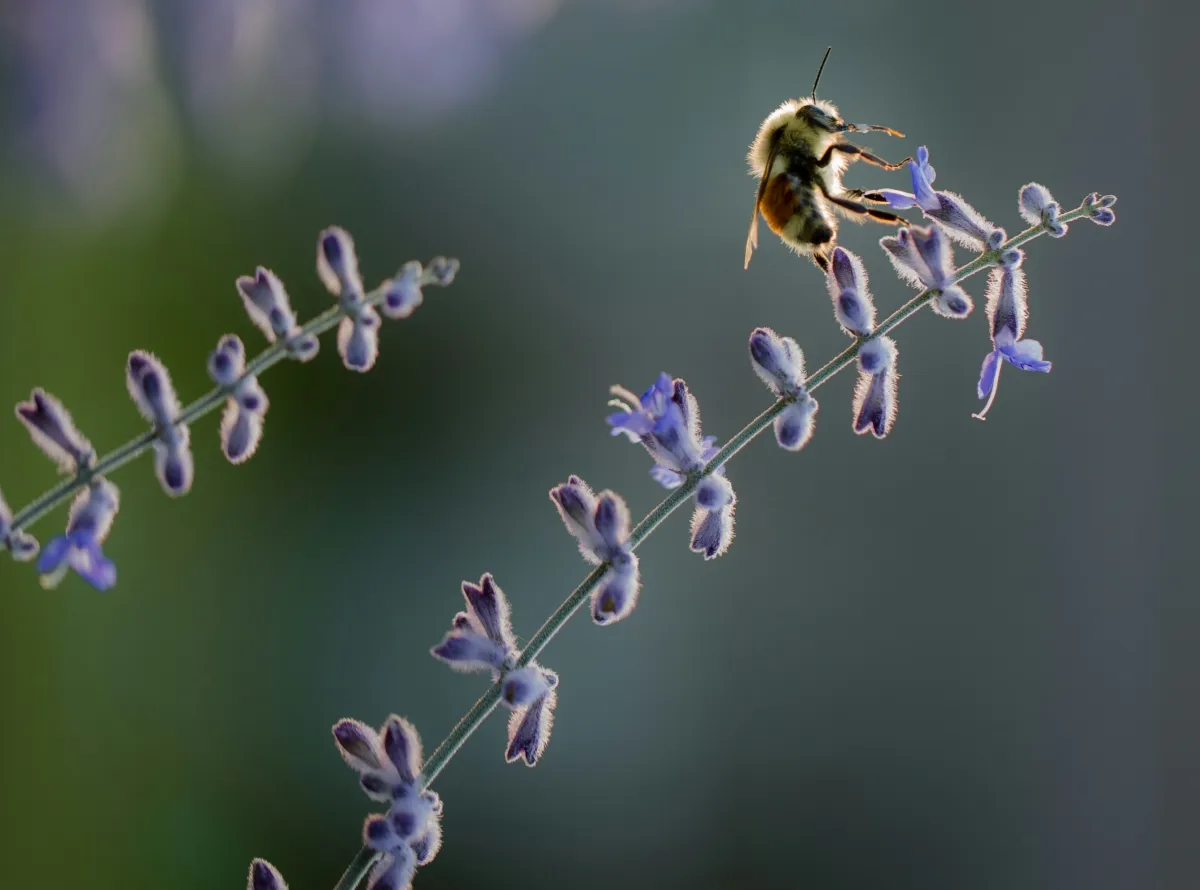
x: 1100, y: 208
x: 242, y: 423
x: 481, y: 638
x: 601, y: 525
x: 925, y: 259
x: 264, y: 876
x: 22, y: 546
x: 666, y: 421
x: 388, y: 763
x: 712, y: 520
x: 151, y: 389
x: 846, y: 281
x: 268, y: 306
x: 88, y: 525
x: 874, y: 405
x: 962, y: 222
x: 1007, y: 311
x: 779, y: 363
x: 358, y: 332
x: 52, y: 430
x: 530, y: 725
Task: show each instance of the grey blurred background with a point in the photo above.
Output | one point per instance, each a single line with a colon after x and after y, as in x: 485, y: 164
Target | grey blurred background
x: 961, y: 657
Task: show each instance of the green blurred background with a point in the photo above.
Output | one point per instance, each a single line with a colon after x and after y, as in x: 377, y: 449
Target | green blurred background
x: 956, y: 658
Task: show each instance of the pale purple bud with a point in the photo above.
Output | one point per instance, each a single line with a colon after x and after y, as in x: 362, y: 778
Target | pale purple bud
x: 151, y: 389
x: 876, y: 355
x: 52, y: 430
x: 846, y: 281
x: 241, y: 430
x: 442, y: 270
x: 1033, y: 200
x: 264, y: 876
x: 1102, y: 216
x: 714, y: 492
x: 227, y: 362
x: 712, y: 531
x: 378, y: 833
x: 467, y: 651
x: 778, y: 361
x: 612, y: 522
x: 795, y: 424
x: 1007, y: 308
x: 952, y: 302
x: 617, y: 594
x: 489, y: 611
x: 529, y: 730
x: 358, y: 339
x: 936, y: 253
x: 426, y: 847
x: 1011, y: 257
x: 267, y: 304
x: 964, y: 223
x: 337, y: 265
x: 576, y: 505
x: 359, y: 745
x: 522, y: 687
x: 402, y: 294
x: 906, y: 259
x: 394, y: 871
x: 402, y: 745
x: 875, y: 403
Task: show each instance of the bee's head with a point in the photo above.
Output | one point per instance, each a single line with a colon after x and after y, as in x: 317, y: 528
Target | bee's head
x: 820, y: 115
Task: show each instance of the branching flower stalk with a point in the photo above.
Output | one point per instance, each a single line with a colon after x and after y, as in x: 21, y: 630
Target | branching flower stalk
x: 666, y: 421
x: 236, y: 388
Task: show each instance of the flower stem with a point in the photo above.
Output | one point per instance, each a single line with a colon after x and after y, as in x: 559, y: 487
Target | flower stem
x: 480, y: 711
x: 207, y: 403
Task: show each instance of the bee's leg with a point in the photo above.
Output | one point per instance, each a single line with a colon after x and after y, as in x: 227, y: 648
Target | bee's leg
x: 821, y: 260
x: 883, y: 216
x: 850, y: 149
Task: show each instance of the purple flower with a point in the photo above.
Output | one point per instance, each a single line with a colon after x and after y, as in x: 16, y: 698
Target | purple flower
x: 358, y: 332
x: 268, y: 306
x: 388, y: 763
x: 530, y: 724
x: 22, y: 546
x: 88, y: 525
x: 779, y: 363
x: 925, y: 259
x: 52, y: 430
x: 846, y: 281
x: 666, y: 420
x: 961, y: 221
x: 1007, y: 311
x: 1038, y: 208
x: 402, y: 294
x: 1099, y: 208
x: 875, y: 394
x: 151, y: 389
x: 481, y: 638
x: 242, y: 423
x: 601, y: 525
x: 264, y: 876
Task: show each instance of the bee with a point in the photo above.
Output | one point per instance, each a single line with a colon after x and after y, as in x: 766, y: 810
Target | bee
x: 799, y: 156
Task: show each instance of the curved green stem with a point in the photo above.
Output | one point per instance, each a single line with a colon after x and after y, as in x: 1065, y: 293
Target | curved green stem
x: 207, y: 403
x: 480, y: 711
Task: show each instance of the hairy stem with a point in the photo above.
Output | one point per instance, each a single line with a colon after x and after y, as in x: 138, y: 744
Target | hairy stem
x: 207, y: 403
x: 480, y: 711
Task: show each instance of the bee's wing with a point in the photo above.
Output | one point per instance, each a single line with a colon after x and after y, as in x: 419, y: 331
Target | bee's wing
x: 752, y: 237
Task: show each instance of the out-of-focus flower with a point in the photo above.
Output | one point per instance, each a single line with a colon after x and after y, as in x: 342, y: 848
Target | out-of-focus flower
x: 90, y: 520
x: 21, y: 545
x: 151, y: 389
x: 242, y: 423
x: 52, y: 430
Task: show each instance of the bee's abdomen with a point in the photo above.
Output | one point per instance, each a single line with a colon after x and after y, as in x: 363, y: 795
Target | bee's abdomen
x: 792, y: 210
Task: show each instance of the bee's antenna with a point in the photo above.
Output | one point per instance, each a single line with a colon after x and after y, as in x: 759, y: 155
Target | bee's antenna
x: 819, y: 70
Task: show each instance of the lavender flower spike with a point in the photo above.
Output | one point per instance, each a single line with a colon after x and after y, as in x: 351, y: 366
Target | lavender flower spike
x: 1007, y: 311
x: 779, y: 363
x: 601, y: 525
x: 52, y: 430
x: 961, y: 221
x: 388, y: 763
x: 358, y: 332
x: 90, y: 520
x: 530, y: 724
x: 264, y: 876
x: 481, y: 638
x: 268, y: 306
x: 22, y: 546
x: 242, y: 423
x: 150, y: 388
